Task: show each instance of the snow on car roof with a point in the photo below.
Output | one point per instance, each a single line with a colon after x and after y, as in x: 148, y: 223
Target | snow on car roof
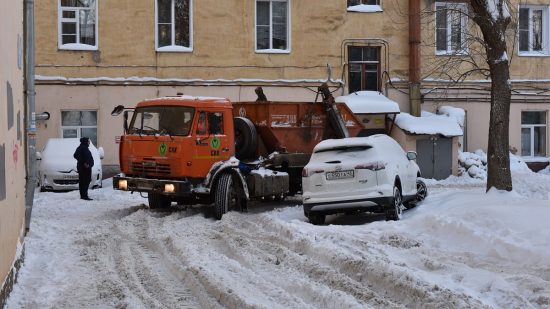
x: 369, y: 102
x: 63, y: 146
x: 429, y: 124
x: 350, y: 142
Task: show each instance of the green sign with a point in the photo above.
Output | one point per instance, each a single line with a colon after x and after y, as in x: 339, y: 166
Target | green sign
x: 215, y: 143
x: 162, y: 149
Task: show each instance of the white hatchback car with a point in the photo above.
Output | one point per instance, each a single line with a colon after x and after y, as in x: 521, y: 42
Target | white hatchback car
x: 360, y: 174
x: 57, y: 167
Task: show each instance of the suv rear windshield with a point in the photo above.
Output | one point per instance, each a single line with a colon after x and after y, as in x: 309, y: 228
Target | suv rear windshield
x: 341, y: 149
x: 162, y: 120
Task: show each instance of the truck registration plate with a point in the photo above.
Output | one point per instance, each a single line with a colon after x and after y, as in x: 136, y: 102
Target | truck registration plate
x: 340, y: 175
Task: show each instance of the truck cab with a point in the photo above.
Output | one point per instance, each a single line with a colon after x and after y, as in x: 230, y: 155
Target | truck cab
x: 177, y: 137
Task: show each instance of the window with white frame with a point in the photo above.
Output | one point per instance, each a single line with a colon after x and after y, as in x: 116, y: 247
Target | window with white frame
x: 451, y: 21
x: 533, y: 30
x: 533, y: 133
x: 77, y: 25
x: 77, y: 124
x: 272, y: 26
x: 364, y: 2
x: 174, y: 26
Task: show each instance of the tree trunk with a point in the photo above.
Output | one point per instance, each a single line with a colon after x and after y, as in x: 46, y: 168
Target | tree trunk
x: 498, y: 154
x: 493, y: 22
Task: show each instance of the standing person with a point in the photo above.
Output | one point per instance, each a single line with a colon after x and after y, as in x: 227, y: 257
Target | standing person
x: 85, y: 161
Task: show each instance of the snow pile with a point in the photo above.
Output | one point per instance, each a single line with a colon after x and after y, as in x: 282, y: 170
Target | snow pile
x: 474, y: 164
x: 368, y: 102
x: 545, y: 171
x: 428, y: 123
x: 453, y: 112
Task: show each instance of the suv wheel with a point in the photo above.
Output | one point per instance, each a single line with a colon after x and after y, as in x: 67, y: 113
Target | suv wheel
x: 394, y: 210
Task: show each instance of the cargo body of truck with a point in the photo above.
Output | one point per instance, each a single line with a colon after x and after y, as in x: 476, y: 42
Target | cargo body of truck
x: 204, y: 150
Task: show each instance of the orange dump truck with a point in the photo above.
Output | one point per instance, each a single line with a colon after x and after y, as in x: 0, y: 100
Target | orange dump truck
x: 203, y: 150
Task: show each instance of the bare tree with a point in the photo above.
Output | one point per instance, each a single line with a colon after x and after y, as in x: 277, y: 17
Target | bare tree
x: 493, y: 18
x: 486, y: 57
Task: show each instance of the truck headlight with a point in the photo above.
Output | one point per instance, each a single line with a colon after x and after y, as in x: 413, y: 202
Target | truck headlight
x: 169, y: 188
x: 123, y: 184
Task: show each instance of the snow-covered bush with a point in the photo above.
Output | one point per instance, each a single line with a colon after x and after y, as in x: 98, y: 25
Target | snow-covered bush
x: 474, y: 164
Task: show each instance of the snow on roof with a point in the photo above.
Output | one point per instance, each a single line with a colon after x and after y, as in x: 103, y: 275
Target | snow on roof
x: 369, y: 102
x: 428, y: 124
x: 453, y: 112
x: 186, y: 97
x: 365, y: 8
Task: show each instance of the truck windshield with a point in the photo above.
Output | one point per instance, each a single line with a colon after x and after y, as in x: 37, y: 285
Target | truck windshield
x: 162, y: 120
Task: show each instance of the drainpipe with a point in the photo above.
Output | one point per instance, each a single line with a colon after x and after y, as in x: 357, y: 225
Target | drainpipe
x: 414, y: 57
x: 30, y: 185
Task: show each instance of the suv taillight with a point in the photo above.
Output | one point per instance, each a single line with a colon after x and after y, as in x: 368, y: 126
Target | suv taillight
x: 307, y: 173
x: 373, y: 166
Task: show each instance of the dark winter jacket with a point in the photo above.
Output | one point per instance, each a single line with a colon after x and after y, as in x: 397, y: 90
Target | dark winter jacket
x: 83, y: 156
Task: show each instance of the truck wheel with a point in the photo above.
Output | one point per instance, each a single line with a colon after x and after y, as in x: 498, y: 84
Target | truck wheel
x: 246, y: 138
x: 157, y: 201
x: 223, y: 195
x: 228, y: 196
x: 316, y: 219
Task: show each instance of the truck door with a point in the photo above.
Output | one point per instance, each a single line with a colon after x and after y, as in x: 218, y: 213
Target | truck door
x: 212, y: 143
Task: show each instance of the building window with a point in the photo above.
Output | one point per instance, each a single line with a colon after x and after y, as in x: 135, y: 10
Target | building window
x: 451, y: 28
x: 533, y: 134
x: 532, y: 30
x: 365, y: 2
x: 174, y: 25
x: 77, y: 26
x: 77, y: 124
x: 364, y: 68
x: 272, y: 26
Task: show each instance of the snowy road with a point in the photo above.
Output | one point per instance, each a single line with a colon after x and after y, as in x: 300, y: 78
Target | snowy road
x: 453, y: 251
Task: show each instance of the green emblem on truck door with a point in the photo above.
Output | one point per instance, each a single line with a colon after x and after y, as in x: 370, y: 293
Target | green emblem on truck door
x: 162, y: 149
x: 215, y: 143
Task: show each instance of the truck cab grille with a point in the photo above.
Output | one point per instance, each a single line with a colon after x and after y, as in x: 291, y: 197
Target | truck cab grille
x: 150, y: 168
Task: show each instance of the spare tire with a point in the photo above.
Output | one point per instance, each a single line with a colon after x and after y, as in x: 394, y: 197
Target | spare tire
x: 246, y: 138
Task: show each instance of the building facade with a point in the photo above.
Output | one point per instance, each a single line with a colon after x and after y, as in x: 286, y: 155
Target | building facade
x: 12, y: 154
x: 93, y: 55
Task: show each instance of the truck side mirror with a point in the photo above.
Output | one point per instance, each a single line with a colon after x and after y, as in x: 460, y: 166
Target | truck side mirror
x: 117, y: 110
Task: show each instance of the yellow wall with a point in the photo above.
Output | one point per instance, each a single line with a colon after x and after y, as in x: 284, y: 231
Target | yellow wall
x: 223, y: 41
x: 12, y: 206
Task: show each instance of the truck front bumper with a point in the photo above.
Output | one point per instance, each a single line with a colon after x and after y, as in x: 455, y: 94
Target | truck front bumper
x: 167, y: 187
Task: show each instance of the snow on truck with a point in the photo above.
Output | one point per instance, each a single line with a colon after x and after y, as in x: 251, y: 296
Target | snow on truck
x: 205, y: 150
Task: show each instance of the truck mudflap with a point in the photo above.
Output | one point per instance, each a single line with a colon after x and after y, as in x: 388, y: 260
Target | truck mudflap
x: 162, y: 186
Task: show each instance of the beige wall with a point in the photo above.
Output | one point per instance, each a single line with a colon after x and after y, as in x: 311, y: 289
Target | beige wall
x: 12, y: 206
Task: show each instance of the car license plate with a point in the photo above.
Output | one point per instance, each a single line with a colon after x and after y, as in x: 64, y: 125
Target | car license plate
x: 70, y: 176
x: 340, y: 175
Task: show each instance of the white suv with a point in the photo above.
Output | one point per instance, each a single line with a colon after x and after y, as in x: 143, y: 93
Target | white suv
x: 360, y: 174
